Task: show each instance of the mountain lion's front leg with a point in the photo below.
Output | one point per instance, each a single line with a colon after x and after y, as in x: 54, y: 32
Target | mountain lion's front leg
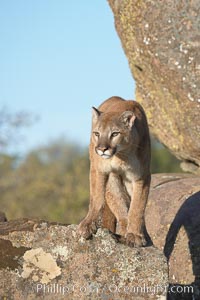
x: 97, y: 198
x: 136, y: 223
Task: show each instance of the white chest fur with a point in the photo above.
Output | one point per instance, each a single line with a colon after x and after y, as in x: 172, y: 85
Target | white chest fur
x: 129, y: 169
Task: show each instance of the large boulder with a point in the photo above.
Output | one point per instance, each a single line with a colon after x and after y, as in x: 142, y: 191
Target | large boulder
x: 161, y: 40
x: 48, y: 261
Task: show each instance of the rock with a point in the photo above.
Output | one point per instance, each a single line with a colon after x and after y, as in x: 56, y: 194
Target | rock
x: 173, y: 222
x: 49, y: 261
x: 161, y: 41
x: 42, y: 259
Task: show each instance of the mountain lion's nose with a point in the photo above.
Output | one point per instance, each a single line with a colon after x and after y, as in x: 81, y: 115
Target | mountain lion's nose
x: 103, y: 148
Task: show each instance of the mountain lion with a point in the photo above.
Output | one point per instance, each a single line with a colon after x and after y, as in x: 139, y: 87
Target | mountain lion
x: 119, y: 171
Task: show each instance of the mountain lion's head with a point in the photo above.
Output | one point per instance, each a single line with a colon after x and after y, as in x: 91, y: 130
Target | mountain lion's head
x: 113, y: 132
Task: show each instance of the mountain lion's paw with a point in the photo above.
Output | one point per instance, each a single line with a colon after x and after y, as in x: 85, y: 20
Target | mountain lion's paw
x: 86, y: 230
x: 135, y: 240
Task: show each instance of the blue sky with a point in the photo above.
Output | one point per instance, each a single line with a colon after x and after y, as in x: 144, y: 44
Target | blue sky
x: 57, y: 59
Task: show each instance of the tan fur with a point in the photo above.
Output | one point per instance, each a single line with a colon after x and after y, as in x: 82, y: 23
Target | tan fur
x: 119, y: 171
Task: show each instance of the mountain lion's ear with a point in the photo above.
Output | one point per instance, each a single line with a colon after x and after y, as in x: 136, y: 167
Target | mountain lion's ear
x: 128, y: 118
x: 95, y: 114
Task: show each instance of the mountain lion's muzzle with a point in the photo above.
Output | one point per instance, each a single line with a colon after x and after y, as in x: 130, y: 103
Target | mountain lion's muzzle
x: 105, y: 152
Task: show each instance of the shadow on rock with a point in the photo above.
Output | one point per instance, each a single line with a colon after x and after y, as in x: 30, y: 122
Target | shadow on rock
x: 188, y: 216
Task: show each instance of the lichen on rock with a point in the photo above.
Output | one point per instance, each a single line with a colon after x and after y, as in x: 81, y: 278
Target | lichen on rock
x: 40, y: 266
x: 62, y: 264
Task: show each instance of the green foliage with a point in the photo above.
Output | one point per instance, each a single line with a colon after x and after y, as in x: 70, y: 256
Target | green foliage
x: 162, y: 161
x: 52, y: 182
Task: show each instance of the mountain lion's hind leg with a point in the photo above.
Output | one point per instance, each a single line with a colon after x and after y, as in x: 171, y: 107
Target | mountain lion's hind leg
x: 108, y: 219
x: 117, y: 199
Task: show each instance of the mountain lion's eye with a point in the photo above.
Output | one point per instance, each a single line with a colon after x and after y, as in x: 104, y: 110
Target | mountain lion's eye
x: 114, y: 134
x: 96, y: 133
